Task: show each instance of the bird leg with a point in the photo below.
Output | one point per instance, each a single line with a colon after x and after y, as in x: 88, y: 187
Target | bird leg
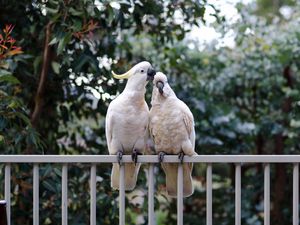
x: 119, y: 156
x: 161, y: 156
x: 181, y: 156
x: 134, y: 155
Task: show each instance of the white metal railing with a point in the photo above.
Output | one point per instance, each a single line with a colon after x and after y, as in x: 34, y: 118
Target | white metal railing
x: 96, y: 159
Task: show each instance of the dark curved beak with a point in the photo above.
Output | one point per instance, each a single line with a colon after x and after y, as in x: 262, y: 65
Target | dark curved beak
x: 150, y: 73
x: 160, y: 85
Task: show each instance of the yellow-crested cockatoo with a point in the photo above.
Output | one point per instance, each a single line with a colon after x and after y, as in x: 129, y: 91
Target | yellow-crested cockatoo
x: 171, y: 127
x: 127, y: 121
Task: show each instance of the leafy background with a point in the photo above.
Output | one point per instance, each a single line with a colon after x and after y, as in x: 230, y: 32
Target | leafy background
x: 56, y: 87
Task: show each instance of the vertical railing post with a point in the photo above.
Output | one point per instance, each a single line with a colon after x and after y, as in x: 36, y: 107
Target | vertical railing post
x: 296, y: 194
x: 209, y: 194
x: 180, y: 195
x: 122, y: 195
x: 7, y: 190
x: 93, y: 195
x: 267, y: 194
x: 151, y: 195
x: 238, y: 194
x: 64, y: 195
x: 35, y: 194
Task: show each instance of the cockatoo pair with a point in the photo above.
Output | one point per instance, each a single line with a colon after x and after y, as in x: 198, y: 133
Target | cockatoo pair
x: 169, y: 123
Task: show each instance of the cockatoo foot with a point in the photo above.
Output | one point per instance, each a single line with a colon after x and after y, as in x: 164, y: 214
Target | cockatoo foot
x: 181, y: 156
x: 119, y: 156
x: 134, y: 155
x: 161, y: 156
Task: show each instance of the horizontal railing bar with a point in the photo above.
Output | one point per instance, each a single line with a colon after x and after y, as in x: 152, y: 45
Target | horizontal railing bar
x: 149, y: 159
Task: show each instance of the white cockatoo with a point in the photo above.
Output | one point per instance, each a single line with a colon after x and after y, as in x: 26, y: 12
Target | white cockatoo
x: 127, y: 121
x: 171, y: 127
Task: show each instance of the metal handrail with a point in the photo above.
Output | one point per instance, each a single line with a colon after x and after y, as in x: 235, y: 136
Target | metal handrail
x: 93, y: 160
x: 149, y: 159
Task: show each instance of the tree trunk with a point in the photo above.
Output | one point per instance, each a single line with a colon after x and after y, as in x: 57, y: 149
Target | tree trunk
x: 34, y: 118
x: 280, y: 183
x: 39, y: 97
x: 280, y: 169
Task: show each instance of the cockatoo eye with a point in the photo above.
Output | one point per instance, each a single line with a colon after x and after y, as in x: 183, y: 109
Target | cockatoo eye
x: 142, y: 71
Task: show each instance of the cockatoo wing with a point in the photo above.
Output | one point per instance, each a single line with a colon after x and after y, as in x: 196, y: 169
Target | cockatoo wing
x: 188, y: 120
x: 188, y: 146
x: 108, y: 128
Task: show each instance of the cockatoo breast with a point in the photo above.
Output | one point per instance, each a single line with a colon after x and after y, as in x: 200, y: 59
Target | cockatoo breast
x: 132, y: 117
x: 167, y: 127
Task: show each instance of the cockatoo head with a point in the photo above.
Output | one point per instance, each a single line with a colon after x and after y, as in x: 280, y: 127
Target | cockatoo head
x: 142, y: 71
x: 160, y: 83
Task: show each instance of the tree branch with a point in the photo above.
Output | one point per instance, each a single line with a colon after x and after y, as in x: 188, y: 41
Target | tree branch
x: 280, y: 169
x: 39, y: 101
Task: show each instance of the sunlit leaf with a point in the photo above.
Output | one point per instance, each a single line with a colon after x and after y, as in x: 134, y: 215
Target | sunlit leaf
x: 9, y: 79
x: 55, y: 67
x: 63, y: 42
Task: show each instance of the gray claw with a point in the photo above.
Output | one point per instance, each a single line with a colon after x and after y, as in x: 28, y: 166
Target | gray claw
x: 181, y: 156
x: 119, y: 156
x: 134, y: 155
x: 161, y: 156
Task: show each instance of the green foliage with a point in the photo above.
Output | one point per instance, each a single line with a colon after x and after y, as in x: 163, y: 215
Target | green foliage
x: 16, y: 131
x: 271, y: 8
x: 65, y: 87
x: 245, y: 100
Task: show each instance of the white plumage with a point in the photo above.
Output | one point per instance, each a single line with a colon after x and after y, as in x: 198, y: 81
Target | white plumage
x: 172, y: 129
x: 127, y: 122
